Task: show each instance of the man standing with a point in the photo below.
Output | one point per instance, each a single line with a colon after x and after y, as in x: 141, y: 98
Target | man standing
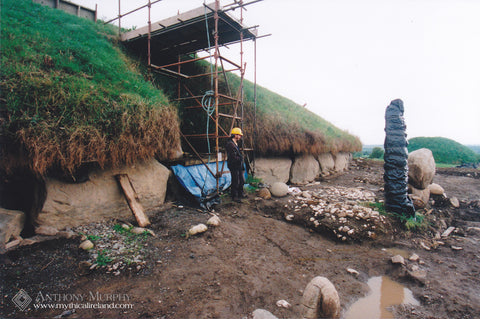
x: 235, y: 164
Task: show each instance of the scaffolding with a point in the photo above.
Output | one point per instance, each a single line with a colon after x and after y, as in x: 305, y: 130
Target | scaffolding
x: 173, y: 43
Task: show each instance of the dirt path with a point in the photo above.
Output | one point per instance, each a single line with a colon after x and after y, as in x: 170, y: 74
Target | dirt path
x: 255, y: 258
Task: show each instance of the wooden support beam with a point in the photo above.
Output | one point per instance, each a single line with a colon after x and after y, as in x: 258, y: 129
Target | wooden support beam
x: 132, y: 200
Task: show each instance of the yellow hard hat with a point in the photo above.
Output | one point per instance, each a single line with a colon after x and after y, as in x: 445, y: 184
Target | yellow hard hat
x: 236, y: 130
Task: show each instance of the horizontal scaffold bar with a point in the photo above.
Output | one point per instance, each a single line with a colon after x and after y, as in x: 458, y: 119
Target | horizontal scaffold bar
x: 205, y: 135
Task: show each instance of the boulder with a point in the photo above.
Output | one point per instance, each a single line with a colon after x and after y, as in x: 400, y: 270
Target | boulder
x: 101, y: 198
x: 320, y: 299
x: 272, y: 170
x: 436, y: 189
x: 262, y: 314
x: 342, y: 160
x: 197, y: 229
x: 264, y: 193
x: 11, y: 224
x: 279, y: 189
x: 397, y: 259
x: 214, y: 221
x: 421, y: 168
x: 419, y: 197
x: 327, y: 163
x: 454, y: 202
x: 86, y: 245
x: 418, y: 274
x: 414, y: 257
x: 304, y: 169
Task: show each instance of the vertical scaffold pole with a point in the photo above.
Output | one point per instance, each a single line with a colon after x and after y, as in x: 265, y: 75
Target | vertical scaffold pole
x: 242, y: 72
x: 149, y: 33
x: 119, y: 19
x: 178, y: 79
x: 216, y: 55
x: 254, y: 102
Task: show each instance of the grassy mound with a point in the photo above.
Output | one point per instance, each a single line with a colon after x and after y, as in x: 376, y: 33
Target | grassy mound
x: 286, y: 128
x: 283, y: 127
x: 444, y: 150
x: 70, y: 95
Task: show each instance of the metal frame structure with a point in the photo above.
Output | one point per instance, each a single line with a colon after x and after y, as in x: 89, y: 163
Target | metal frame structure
x: 183, y: 35
x: 71, y: 8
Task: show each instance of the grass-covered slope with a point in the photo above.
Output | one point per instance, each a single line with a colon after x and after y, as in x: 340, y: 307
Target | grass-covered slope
x: 445, y: 151
x: 70, y: 95
x: 283, y: 127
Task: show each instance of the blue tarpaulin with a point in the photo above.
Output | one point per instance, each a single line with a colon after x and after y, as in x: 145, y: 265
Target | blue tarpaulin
x: 199, y: 181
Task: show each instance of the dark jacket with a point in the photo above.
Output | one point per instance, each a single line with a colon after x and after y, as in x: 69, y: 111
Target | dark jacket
x: 234, y: 156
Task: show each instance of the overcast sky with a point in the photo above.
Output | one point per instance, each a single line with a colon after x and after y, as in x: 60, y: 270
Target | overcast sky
x: 347, y: 59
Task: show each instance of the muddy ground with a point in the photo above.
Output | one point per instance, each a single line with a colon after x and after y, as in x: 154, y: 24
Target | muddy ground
x: 255, y: 258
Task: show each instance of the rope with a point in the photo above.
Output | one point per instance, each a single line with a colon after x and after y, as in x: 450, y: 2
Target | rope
x: 208, y: 104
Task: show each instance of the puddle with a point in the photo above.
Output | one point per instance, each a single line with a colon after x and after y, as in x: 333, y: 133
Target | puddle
x: 384, y: 293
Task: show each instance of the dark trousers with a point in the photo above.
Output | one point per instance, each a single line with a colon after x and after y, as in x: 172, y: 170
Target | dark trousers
x: 238, y: 179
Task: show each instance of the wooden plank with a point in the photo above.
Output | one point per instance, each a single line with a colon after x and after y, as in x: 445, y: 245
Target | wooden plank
x: 132, y: 199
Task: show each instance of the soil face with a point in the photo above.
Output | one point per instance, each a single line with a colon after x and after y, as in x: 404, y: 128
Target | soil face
x: 255, y: 258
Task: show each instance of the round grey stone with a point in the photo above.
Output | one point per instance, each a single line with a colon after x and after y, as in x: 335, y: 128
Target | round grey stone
x: 279, y: 189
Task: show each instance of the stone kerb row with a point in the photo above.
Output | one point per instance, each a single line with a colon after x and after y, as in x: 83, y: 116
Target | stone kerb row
x: 302, y: 169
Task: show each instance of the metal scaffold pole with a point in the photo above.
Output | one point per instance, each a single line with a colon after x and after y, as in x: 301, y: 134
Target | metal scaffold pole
x: 216, y: 54
x: 242, y: 72
x: 149, y: 33
x: 119, y: 19
x: 254, y: 103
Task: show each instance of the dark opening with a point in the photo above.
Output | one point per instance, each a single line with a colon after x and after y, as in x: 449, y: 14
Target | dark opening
x: 23, y: 191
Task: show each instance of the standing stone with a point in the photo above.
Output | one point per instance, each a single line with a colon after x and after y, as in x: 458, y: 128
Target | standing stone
x: 272, y: 170
x: 320, y: 300
x: 101, y: 198
x: 395, y: 157
x: 342, y: 160
x: 421, y: 168
x: 304, y: 170
x: 327, y: 163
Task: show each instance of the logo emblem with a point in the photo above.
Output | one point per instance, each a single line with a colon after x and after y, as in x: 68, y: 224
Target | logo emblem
x: 22, y: 300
